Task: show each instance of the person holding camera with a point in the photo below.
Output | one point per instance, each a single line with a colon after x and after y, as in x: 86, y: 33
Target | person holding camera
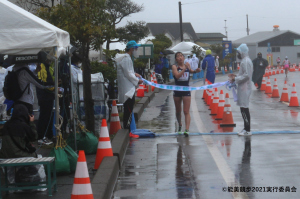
x: 18, y: 133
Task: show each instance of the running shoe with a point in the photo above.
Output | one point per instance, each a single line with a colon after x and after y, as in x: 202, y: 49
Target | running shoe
x: 244, y: 133
x: 179, y: 130
x: 44, y: 141
x: 186, y: 133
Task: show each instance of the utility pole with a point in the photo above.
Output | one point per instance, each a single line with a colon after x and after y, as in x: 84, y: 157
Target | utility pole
x: 226, y: 30
x: 247, y: 25
x: 180, y: 20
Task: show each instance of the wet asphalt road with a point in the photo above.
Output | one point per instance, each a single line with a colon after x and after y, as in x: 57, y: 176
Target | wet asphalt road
x: 215, y: 166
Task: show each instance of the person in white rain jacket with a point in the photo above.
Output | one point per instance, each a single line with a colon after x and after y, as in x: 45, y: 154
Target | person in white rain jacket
x: 244, y: 86
x: 194, y: 62
x: 128, y: 80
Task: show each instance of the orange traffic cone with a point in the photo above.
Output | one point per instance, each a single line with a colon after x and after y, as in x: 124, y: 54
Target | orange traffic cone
x: 281, y: 70
x: 211, y: 98
x: 277, y: 71
x: 217, y: 70
x: 225, y: 69
x: 263, y: 84
x: 215, y: 103
x: 294, y: 98
x: 152, y: 87
x: 268, y: 87
x: 154, y: 78
x: 146, y: 88
x: 204, y: 94
x: 275, y: 93
x: 82, y: 188
x: 208, y: 99
x: 140, y: 92
x: 238, y: 67
x: 104, y: 145
x: 270, y: 72
x: 227, y: 114
x: 266, y: 73
x: 221, y: 106
x: 273, y: 72
x: 115, y: 124
x: 284, y: 94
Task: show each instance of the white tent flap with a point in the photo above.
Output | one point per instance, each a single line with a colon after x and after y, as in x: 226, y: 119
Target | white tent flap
x: 24, y: 33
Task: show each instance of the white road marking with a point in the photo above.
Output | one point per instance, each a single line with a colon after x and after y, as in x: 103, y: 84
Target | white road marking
x: 221, y: 163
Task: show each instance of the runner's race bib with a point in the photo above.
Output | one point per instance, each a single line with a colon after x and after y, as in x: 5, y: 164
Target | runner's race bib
x: 184, y: 77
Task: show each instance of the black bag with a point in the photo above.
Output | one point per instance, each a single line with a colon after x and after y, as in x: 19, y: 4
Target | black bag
x: 11, y: 88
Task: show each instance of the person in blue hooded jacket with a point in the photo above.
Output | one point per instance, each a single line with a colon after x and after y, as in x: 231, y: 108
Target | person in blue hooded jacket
x: 209, y: 62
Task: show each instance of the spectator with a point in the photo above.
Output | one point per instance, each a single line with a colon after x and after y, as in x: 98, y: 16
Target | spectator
x: 18, y: 132
x: 208, y: 64
x: 127, y: 81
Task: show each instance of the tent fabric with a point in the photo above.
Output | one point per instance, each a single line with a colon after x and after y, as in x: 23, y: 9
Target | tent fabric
x: 24, y: 33
x: 186, y: 48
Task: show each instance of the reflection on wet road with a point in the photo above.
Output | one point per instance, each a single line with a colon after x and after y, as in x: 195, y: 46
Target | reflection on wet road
x: 202, y: 166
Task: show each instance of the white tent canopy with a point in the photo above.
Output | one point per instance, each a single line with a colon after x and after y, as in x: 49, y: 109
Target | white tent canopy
x: 24, y: 33
x: 186, y: 48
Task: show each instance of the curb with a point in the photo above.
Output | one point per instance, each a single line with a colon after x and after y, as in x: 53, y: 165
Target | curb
x: 105, y: 179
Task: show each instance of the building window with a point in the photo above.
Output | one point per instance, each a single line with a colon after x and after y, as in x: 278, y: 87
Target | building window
x: 298, y: 55
x: 275, y: 49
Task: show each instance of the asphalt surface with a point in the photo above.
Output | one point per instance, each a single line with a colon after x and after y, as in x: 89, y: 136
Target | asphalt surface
x: 214, y: 165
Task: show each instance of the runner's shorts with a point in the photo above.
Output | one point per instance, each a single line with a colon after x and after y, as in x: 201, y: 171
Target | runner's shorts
x: 181, y: 93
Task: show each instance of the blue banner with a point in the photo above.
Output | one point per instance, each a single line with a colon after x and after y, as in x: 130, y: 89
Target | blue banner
x: 227, y: 48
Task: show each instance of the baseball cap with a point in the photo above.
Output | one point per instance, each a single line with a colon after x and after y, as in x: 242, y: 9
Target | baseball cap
x: 132, y: 44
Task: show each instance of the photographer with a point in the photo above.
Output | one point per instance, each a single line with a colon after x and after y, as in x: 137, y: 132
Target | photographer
x: 18, y: 132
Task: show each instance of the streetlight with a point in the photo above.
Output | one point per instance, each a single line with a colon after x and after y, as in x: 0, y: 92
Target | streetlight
x: 226, y: 29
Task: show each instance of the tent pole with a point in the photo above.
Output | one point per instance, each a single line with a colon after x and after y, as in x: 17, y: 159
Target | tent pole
x: 73, y: 99
x: 56, y: 91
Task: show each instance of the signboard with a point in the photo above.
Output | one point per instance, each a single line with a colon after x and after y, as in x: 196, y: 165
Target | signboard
x: 145, y: 51
x: 227, y: 47
x: 296, y: 42
x: 270, y: 59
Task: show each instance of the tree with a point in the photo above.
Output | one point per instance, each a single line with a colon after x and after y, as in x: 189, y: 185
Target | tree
x: 85, y: 20
x: 34, y: 5
x: 196, y: 50
x: 218, y: 49
x: 132, y: 31
x: 118, y: 10
x: 161, y: 42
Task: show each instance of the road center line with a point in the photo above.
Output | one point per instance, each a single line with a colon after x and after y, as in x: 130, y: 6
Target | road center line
x: 221, y: 163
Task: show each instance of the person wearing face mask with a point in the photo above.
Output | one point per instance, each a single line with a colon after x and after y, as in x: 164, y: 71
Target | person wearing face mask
x: 259, y: 67
x: 244, y: 86
x: 128, y: 80
x: 286, y: 64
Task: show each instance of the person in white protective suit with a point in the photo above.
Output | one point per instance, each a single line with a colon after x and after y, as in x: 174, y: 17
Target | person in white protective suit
x: 244, y: 86
x: 217, y: 62
x: 194, y: 62
x: 128, y: 80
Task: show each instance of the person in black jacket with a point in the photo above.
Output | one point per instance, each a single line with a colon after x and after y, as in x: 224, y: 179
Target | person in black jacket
x: 18, y: 133
x: 259, y: 67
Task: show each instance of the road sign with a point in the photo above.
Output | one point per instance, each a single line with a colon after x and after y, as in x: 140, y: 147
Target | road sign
x: 145, y: 51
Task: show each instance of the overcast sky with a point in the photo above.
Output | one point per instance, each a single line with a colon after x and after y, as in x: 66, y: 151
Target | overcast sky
x: 209, y: 15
